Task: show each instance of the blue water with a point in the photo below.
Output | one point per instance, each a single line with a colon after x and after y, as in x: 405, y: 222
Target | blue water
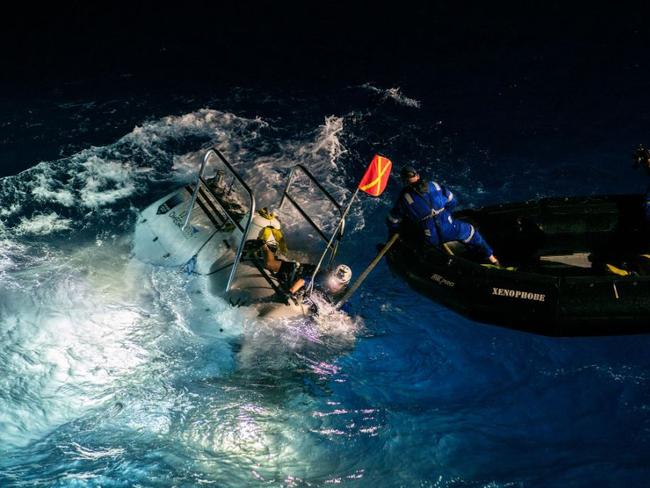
x: 117, y: 373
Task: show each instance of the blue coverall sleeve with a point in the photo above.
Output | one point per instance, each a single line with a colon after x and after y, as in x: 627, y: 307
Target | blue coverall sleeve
x: 451, y: 199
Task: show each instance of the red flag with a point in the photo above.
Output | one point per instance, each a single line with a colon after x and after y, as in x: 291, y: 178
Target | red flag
x: 376, y: 177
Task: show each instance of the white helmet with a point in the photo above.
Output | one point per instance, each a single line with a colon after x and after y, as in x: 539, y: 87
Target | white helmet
x: 343, y: 274
x: 338, y: 279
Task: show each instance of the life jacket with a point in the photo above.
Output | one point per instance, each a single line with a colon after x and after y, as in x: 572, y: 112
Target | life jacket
x: 270, y: 229
x: 273, y: 236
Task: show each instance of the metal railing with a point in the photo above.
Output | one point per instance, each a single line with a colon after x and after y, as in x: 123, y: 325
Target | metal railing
x: 233, y: 218
x: 287, y: 197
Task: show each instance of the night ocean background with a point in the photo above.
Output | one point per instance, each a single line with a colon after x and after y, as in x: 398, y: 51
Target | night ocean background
x: 118, y: 373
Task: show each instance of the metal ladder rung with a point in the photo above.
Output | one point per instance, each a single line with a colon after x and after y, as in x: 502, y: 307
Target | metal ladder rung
x: 218, y: 223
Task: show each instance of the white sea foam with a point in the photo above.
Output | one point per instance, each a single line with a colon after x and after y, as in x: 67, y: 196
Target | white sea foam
x: 240, y: 138
x: 10, y: 210
x: 98, y: 178
x: 320, y: 153
x: 395, y: 94
x: 208, y: 119
x: 9, y: 251
x: 327, y: 140
x: 221, y: 128
x: 105, y: 182
x: 42, y: 188
x: 186, y: 166
x: 273, y: 343
x: 42, y: 224
x: 86, y: 179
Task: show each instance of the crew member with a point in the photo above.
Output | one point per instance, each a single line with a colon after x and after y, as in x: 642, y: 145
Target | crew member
x: 426, y: 206
x: 295, y: 277
x: 329, y: 287
x: 287, y: 272
x: 333, y: 284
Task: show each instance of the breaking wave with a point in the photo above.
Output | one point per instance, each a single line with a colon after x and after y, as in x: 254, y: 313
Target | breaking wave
x: 394, y: 94
x: 42, y: 224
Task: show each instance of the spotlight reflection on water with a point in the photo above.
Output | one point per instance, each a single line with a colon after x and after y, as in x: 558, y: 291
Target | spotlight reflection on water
x: 68, y: 341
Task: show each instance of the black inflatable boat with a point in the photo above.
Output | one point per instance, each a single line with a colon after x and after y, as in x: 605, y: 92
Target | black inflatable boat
x: 570, y: 267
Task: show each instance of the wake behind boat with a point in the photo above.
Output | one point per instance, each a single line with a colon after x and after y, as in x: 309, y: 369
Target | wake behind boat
x: 205, y: 227
x: 572, y: 266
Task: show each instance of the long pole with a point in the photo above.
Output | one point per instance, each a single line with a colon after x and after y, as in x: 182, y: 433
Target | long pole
x: 329, y: 244
x: 367, y: 271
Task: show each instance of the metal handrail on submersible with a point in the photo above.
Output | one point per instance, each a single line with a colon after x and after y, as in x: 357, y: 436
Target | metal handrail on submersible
x: 234, y: 221
x: 200, y: 181
x: 286, y: 196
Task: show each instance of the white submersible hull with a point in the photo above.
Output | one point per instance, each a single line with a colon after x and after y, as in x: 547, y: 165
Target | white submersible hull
x: 203, y: 228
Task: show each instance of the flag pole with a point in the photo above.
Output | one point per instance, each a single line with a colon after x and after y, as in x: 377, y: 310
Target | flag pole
x: 367, y: 271
x: 376, y: 179
x: 329, y: 244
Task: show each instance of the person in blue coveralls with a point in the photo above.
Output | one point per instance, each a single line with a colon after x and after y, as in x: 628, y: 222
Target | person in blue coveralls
x: 426, y: 206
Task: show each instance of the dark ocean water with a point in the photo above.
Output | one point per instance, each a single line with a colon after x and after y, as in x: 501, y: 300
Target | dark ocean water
x: 116, y: 373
